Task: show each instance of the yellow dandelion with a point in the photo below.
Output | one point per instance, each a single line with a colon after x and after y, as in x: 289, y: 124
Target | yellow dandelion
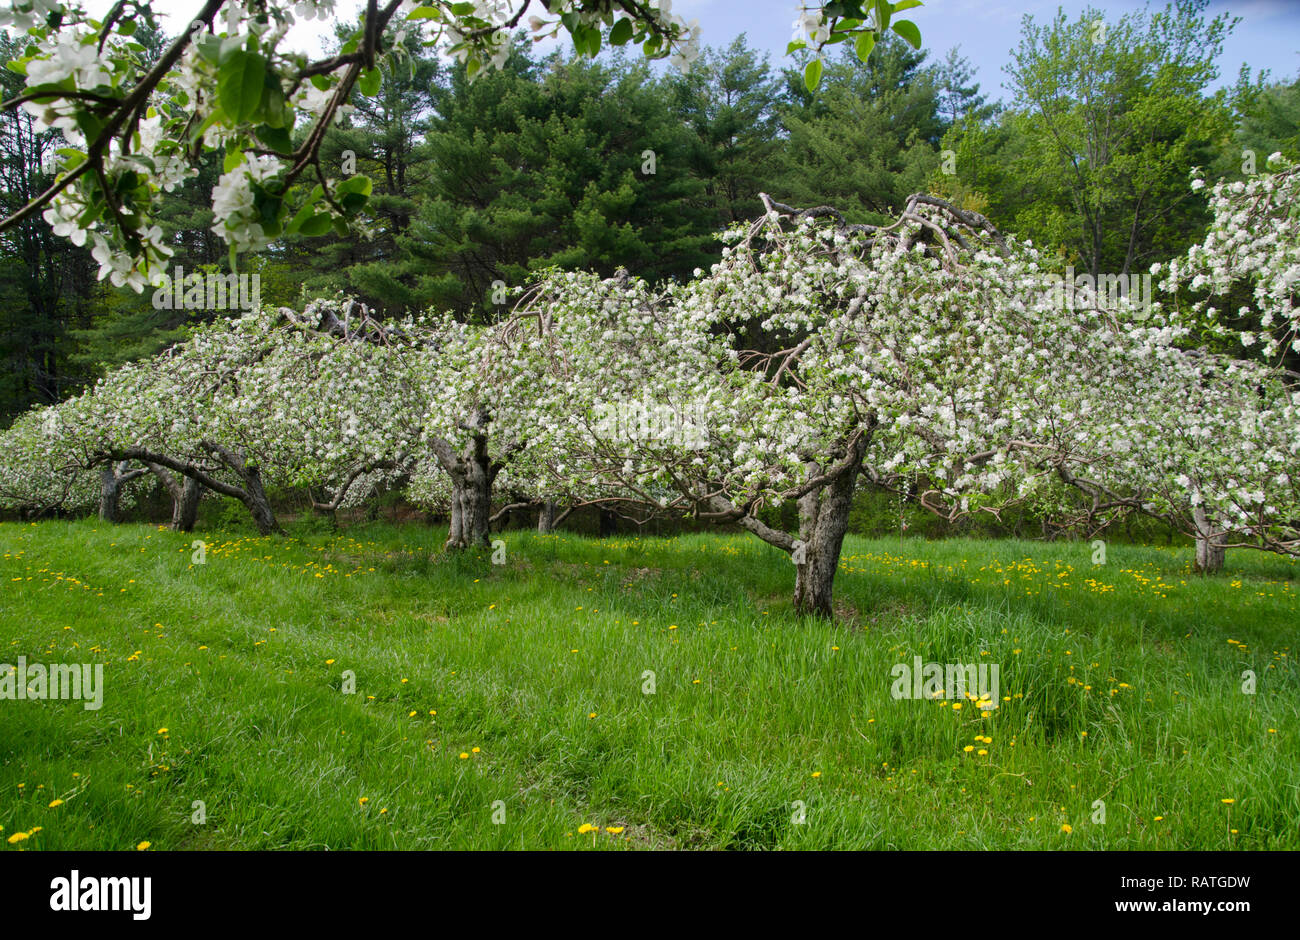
x: 143, y: 846
x: 1067, y: 828
x: 54, y: 803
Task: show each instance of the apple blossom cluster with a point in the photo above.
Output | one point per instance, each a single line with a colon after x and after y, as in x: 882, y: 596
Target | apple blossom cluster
x: 1253, y: 238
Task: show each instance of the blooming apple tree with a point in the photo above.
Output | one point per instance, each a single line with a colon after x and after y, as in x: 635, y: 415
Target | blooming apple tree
x: 813, y: 352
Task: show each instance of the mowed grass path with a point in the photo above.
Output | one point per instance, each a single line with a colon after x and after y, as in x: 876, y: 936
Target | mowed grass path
x: 507, y: 706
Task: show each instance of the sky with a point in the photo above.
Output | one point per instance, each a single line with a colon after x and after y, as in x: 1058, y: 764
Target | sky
x: 1268, y: 36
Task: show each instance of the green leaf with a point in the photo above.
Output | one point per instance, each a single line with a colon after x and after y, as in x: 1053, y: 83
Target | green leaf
x: 241, y: 83
x: 277, y: 138
x: 795, y: 46
x: 368, y: 82
x: 621, y: 33
x: 233, y: 159
x: 318, y: 224
x: 812, y: 74
x: 908, y: 30
x: 275, y: 106
x: 907, y: 5
x: 352, y: 193
x: 303, y: 215
x: 424, y: 13
x: 866, y: 42
x: 354, y: 184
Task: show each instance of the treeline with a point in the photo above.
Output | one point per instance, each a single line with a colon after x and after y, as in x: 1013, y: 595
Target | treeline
x: 608, y: 164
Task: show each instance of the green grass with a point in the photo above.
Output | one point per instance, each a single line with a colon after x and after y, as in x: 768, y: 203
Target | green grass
x: 539, y: 664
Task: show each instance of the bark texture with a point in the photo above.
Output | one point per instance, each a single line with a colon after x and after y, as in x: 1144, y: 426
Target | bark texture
x: 1210, y: 547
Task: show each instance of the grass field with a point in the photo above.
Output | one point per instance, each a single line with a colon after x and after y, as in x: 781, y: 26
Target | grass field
x: 507, y: 705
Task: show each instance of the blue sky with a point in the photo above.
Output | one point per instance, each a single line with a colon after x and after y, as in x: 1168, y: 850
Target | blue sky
x: 1268, y: 36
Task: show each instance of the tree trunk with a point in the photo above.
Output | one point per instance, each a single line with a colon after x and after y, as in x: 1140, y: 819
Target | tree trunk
x: 546, y: 518
x: 471, y: 505
x: 253, y: 494
x: 109, y: 493
x: 112, y: 476
x: 185, y: 511
x: 1210, y: 551
x: 258, y: 505
x: 608, y: 523
x: 185, y: 493
x: 472, y: 473
x: 823, y: 521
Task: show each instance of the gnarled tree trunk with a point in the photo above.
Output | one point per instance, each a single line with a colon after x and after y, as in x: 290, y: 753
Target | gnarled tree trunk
x: 472, y: 473
x: 112, y: 476
x: 823, y: 521
x: 824, y: 502
x: 185, y: 493
x: 546, y: 517
x: 253, y: 493
x: 1210, y: 550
